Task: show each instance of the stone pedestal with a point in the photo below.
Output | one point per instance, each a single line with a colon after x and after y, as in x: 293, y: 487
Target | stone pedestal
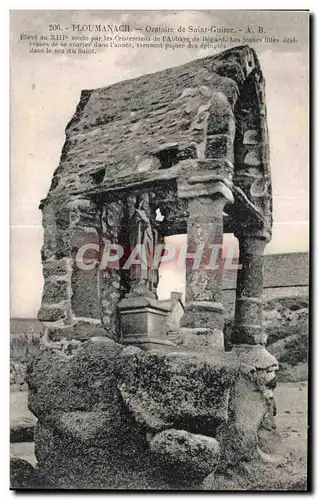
x: 143, y: 322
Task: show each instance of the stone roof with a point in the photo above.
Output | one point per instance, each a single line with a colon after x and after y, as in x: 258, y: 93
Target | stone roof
x: 122, y: 129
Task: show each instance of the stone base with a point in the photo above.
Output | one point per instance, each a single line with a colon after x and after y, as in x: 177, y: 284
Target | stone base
x: 111, y: 417
x: 258, y: 357
x: 143, y: 322
x: 200, y: 338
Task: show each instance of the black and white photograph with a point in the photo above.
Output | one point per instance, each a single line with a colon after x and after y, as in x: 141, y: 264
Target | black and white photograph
x: 159, y: 276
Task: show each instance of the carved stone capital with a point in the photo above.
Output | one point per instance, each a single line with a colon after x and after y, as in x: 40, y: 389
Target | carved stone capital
x: 253, y: 239
x: 205, y: 184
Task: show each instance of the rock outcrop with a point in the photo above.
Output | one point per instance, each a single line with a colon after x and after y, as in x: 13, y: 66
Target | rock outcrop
x: 185, y: 455
x: 121, y: 418
x: 180, y: 389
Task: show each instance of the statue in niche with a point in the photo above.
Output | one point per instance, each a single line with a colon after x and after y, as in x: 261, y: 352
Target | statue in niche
x: 143, y: 235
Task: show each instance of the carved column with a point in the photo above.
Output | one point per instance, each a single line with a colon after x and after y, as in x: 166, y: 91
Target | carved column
x: 202, y: 322
x: 249, y: 301
x: 249, y: 338
x: 110, y: 275
x: 252, y: 176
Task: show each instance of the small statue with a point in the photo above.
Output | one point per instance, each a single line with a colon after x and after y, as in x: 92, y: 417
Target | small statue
x: 144, y: 279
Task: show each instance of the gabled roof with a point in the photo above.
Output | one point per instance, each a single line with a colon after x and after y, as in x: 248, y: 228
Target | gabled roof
x: 118, y: 131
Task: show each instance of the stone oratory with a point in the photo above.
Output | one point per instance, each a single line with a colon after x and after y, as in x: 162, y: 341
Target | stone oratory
x: 136, y: 409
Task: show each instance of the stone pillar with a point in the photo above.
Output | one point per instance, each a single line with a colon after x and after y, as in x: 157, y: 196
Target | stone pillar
x: 249, y: 339
x: 55, y: 310
x: 70, y: 300
x: 110, y: 278
x: 249, y: 301
x: 203, y: 319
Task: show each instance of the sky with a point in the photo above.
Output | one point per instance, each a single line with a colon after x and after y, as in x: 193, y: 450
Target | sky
x: 45, y: 90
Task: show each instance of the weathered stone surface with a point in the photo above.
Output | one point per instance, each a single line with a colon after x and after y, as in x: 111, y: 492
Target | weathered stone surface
x: 80, y: 330
x: 182, y: 453
x: 88, y: 427
x: 21, y: 474
x: 200, y: 339
x: 85, y: 436
x: 110, y: 430
x: 219, y: 146
x: 203, y: 310
x: 153, y: 104
x: 221, y: 119
x: 49, y: 248
x: 53, y: 268
x: 198, y: 317
x: 110, y: 294
x: 55, y: 291
x: 53, y: 313
x: 143, y: 320
x: 97, y: 408
x: 14, y: 387
x: 85, y: 301
x: 85, y: 381
x: 85, y: 236
x: 248, y: 314
x: 184, y: 389
x: 285, y: 321
x: 246, y: 409
x: 112, y: 454
x: 110, y: 277
x: 251, y: 137
x: 258, y: 357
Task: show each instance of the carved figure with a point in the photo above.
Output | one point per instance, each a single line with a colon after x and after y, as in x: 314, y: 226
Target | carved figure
x: 143, y: 238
